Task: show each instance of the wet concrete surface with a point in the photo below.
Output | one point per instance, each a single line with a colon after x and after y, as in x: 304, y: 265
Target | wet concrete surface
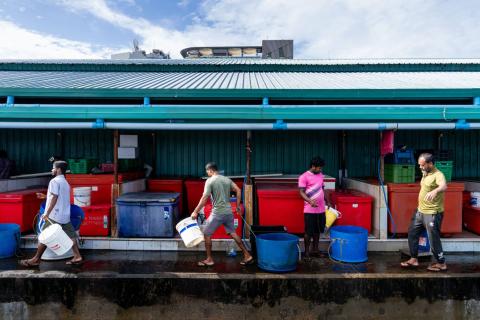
x: 148, y: 262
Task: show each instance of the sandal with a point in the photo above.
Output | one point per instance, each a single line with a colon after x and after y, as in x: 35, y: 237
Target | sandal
x: 247, y: 262
x: 437, y: 267
x: 28, y: 264
x: 204, y: 263
x: 408, y: 265
x: 74, y: 263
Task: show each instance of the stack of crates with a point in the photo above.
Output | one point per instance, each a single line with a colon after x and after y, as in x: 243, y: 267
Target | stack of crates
x: 82, y: 166
x: 400, y: 166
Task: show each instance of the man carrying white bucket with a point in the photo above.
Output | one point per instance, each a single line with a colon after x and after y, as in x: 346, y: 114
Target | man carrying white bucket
x: 57, y: 211
x: 218, y: 188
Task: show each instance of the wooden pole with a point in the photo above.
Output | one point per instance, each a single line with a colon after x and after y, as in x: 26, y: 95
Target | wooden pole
x: 115, y: 186
x: 248, y: 186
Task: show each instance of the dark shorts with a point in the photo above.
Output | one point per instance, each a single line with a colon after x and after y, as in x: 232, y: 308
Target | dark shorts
x: 214, y: 221
x: 314, y: 223
x: 67, y: 227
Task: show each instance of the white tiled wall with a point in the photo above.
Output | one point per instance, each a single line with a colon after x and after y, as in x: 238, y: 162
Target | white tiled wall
x: 379, y: 214
x: 19, y: 184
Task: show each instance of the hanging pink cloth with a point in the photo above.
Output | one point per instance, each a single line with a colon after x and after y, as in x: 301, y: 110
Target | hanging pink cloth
x: 387, y: 142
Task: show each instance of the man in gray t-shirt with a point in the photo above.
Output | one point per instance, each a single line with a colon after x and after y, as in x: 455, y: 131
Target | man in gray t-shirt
x: 218, y: 188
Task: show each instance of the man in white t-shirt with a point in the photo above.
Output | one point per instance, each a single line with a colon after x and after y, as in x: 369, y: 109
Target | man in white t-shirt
x: 57, y: 210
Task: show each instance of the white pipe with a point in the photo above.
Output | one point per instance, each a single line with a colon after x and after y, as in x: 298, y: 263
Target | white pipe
x: 342, y: 126
x: 426, y: 126
x: 46, y: 125
x: 189, y: 126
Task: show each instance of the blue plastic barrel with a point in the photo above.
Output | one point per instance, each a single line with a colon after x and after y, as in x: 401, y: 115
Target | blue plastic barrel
x: 76, y: 217
x: 9, y: 239
x: 349, y: 243
x: 277, y: 252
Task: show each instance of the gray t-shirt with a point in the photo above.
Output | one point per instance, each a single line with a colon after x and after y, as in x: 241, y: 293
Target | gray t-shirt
x: 218, y: 188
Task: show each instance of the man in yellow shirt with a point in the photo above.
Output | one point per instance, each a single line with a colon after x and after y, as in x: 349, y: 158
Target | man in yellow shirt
x: 428, y: 215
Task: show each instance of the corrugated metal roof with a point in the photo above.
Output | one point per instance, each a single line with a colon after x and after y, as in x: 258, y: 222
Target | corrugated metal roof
x: 236, y: 80
x: 243, y: 61
x: 244, y: 65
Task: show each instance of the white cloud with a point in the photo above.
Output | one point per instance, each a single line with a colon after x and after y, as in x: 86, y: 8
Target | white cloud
x: 320, y: 28
x: 19, y: 43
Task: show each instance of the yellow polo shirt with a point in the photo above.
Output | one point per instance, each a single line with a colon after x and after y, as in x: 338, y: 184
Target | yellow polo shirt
x: 431, y: 181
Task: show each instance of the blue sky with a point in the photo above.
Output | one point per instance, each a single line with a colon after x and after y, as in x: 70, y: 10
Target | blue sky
x: 333, y: 29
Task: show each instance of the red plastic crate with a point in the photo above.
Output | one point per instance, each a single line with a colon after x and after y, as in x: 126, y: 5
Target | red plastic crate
x: 101, y: 184
x: 220, y: 233
x: 355, y: 207
x: 20, y: 207
x: 168, y: 185
x: 194, y: 191
x: 280, y: 205
x: 97, y: 221
x: 403, y: 201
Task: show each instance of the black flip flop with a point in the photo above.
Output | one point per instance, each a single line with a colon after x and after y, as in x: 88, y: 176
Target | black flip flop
x: 26, y: 264
x: 247, y: 262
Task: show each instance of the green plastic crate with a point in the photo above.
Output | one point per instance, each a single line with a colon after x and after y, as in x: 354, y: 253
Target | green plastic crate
x: 81, y: 166
x: 399, y: 173
x: 446, y: 167
x: 125, y: 165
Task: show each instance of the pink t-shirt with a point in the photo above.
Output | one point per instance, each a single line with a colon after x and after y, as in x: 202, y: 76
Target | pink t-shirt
x: 313, y: 184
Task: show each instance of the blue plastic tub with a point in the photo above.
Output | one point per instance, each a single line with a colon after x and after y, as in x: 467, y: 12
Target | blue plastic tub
x: 147, y: 214
x: 76, y: 217
x: 9, y: 239
x: 277, y: 252
x: 349, y: 243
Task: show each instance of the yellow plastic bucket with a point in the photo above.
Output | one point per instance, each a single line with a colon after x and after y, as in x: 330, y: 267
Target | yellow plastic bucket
x: 330, y: 216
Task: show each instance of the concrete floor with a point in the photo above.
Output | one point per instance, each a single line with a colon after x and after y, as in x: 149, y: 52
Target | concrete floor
x: 154, y: 262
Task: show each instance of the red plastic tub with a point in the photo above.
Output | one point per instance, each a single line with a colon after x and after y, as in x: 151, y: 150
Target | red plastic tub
x: 238, y: 222
x: 403, y: 201
x: 471, y: 218
x: 355, y: 207
x: 168, y: 185
x: 20, y: 207
x: 280, y: 205
x: 97, y: 221
x: 101, y: 184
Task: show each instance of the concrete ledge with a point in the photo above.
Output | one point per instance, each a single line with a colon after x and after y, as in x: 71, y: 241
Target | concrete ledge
x: 175, y: 244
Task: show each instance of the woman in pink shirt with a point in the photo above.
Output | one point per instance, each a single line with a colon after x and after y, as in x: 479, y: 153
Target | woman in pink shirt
x: 311, y: 190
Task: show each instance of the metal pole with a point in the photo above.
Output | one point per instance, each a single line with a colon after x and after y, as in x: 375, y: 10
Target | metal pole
x: 249, y: 152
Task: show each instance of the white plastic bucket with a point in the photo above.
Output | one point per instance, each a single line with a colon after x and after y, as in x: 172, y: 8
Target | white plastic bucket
x: 475, y: 199
x: 82, y: 196
x: 55, y: 239
x: 190, y: 232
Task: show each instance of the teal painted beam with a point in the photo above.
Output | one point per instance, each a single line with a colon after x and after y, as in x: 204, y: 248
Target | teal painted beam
x: 300, y: 94
x: 199, y: 112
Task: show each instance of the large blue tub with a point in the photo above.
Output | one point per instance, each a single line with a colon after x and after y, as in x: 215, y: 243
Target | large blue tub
x: 9, y: 239
x: 349, y: 243
x: 76, y: 217
x: 277, y: 252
